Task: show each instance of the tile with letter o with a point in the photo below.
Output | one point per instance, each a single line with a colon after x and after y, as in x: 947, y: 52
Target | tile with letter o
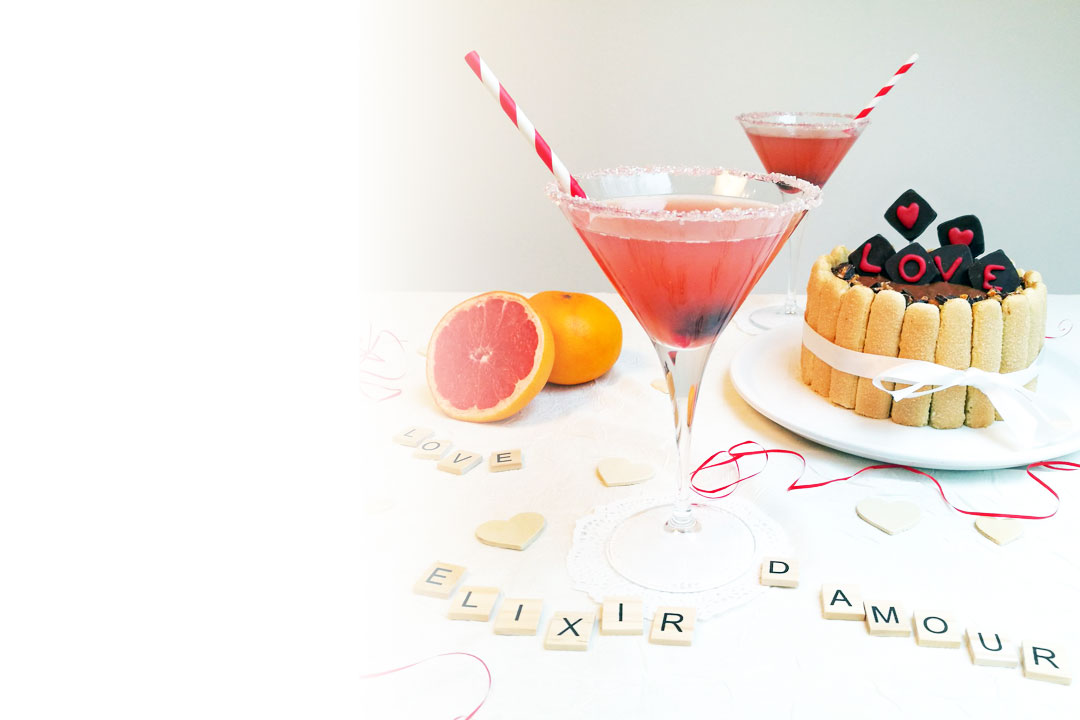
x: 431, y: 449
x: 937, y: 629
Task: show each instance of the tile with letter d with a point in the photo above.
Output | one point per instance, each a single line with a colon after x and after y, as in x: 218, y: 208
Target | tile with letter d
x: 459, y: 462
x: 622, y: 616
x: 672, y: 626
x: 842, y: 602
x: 502, y: 460
x: 473, y: 603
x: 937, y: 629
x: 780, y: 572
x: 518, y: 617
x: 886, y: 619
x: 991, y: 648
x: 569, y: 630
x: 439, y: 580
x: 1046, y: 661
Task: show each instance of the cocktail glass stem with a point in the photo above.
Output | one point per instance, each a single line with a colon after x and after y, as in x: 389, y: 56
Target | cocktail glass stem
x: 683, y: 369
x: 794, y: 245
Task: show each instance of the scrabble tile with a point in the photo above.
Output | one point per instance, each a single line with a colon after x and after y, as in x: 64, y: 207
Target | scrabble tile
x: 990, y: 648
x: 473, y: 603
x: 672, y: 626
x: 1046, y: 661
x: 439, y: 580
x: 502, y: 460
x: 780, y: 572
x: 432, y: 449
x: 886, y: 619
x: 459, y: 462
x: 413, y: 436
x: 518, y: 617
x: 622, y: 616
x: 569, y: 630
x: 842, y: 602
x: 937, y: 629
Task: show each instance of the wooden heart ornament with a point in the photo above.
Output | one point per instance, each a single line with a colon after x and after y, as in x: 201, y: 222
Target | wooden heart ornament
x: 517, y: 533
x: 1000, y: 530
x: 890, y: 517
x: 617, y: 471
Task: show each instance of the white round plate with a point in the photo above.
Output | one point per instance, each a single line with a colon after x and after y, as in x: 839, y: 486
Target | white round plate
x: 766, y: 374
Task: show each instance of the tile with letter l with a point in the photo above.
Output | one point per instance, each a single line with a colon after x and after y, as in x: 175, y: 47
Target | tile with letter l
x: 1046, y: 661
x: 439, y: 580
x: 473, y: 603
x: 842, y: 602
x: 887, y: 619
x: 459, y: 462
x: 672, y: 626
x: 413, y: 436
x: 569, y: 630
x: 518, y: 616
x: 780, y: 572
x: 935, y: 629
x: 990, y: 648
x: 622, y: 616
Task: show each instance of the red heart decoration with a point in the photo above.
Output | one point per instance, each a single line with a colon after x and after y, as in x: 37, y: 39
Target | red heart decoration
x: 960, y: 237
x: 908, y: 215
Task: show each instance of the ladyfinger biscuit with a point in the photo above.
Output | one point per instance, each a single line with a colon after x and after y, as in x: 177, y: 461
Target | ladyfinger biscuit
x: 918, y: 340
x: 818, y: 273
x: 954, y: 351
x: 850, y: 334
x: 831, y: 293
x: 1036, y: 293
x: 986, y: 355
x: 1015, y: 332
x: 882, y: 338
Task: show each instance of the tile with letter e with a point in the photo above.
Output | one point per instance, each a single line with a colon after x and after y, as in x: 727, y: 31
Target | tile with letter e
x: 672, y: 626
x: 502, y: 460
x: 780, y: 572
x: 990, y: 648
x: 413, y: 436
x: 569, y: 630
x: 439, y: 580
x: 935, y: 629
x: 886, y: 619
x: 622, y: 616
x: 1046, y: 661
x: 431, y: 449
x: 842, y: 602
x: 473, y: 603
x: 459, y: 462
x: 518, y: 617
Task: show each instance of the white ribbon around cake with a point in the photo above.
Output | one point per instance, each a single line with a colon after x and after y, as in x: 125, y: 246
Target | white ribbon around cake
x: 1018, y: 406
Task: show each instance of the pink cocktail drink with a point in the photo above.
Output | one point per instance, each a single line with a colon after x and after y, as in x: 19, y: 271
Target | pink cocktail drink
x: 810, y: 153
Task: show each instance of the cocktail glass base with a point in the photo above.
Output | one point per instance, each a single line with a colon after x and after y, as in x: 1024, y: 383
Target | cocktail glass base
x: 774, y: 316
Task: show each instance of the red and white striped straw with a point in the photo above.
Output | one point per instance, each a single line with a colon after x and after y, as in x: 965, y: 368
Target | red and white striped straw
x: 562, y: 175
x: 888, y: 86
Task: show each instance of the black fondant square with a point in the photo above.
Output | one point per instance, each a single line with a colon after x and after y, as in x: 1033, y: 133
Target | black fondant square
x: 910, y: 215
x: 952, y: 263
x: 869, y: 258
x: 994, y: 270
x: 911, y: 265
x: 964, y: 230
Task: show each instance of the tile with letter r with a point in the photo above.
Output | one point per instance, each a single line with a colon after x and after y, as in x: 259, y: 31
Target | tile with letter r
x: 937, y: 629
x: 886, y: 619
x: 780, y: 572
x: 569, y: 630
x: 518, y: 616
x: 672, y: 626
x: 1046, y: 661
x: 473, y: 603
x: 991, y: 648
x: 502, y: 460
x: 413, y: 436
x: 459, y: 462
x: 622, y: 616
x: 439, y: 580
x: 842, y: 602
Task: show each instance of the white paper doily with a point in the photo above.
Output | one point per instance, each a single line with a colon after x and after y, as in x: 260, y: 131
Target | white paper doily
x: 591, y: 572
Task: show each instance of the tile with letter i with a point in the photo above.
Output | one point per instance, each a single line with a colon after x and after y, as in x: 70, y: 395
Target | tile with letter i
x: 439, y: 580
x: 518, y: 617
x: 473, y: 603
x: 502, y: 460
x: 886, y: 619
x: 459, y: 462
x: 842, y: 602
x: 1046, y: 661
x: 780, y: 572
x: 990, y: 648
x: 622, y: 616
x: 937, y: 630
x: 431, y: 449
x: 569, y: 631
x: 672, y: 626
x: 413, y: 436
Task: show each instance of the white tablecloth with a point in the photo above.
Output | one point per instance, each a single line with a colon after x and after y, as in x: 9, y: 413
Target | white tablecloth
x: 774, y: 657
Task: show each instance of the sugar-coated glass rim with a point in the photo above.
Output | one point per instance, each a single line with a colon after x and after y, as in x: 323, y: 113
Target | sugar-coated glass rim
x: 804, y: 120
x: 809, y: 198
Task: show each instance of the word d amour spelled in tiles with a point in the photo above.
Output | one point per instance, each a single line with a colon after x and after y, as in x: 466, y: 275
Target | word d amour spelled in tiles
x: 780, y: 572
x: 459, y: 462
x: 842, y: 602
x: 990, y: 648
x: 887, y: 619
x: 502, y: 460
x: 439, y: 580
x: 569, y: 631
x: 413, y: 436
x: 936, y: 629
x: 431, y: 449
x: 473, y: 603
x: 622, y: 616
x: 518, y: 617
x: 672, y: 626
x: 1046, y: 661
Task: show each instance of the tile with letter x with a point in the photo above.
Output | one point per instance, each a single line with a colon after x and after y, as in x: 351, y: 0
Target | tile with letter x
x: 439, y: 580
x: 672, y: 626
x: 569, y: 631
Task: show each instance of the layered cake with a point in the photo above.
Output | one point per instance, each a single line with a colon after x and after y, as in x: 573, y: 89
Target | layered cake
x: 952, y: 306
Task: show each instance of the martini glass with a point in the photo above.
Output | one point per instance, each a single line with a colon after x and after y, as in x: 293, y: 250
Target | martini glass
x: 809, y: 146
x: 684, y: 247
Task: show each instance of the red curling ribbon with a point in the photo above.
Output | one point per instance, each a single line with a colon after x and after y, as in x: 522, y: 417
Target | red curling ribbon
x: 734, y: 455
x: 421, y: 662
x: 375, y: 385
x: 1064, y: 328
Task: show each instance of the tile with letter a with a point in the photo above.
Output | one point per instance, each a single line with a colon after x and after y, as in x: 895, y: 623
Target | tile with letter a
x: 887, y: 619
x: 842, y: 602
x: 936, y: 629
x: 672, y: 626
x: 622, y: 616
x: 413, y: 436
x: 431, y: 449
x: 518, y: 617
x: 459, y: 462
x: 473, y: 603
x: 780, y: 572
x: 439, y: 580
x: 1046, y: 661
x: 569, y: 631
x: 990, y: 648
x: 502, y: 460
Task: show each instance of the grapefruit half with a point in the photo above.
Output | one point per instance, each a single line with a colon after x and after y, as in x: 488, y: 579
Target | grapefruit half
x: 488, y: 357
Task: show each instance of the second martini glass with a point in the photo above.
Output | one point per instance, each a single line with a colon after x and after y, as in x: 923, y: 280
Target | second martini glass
x: 684, y: 247
x: 810, y: 146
